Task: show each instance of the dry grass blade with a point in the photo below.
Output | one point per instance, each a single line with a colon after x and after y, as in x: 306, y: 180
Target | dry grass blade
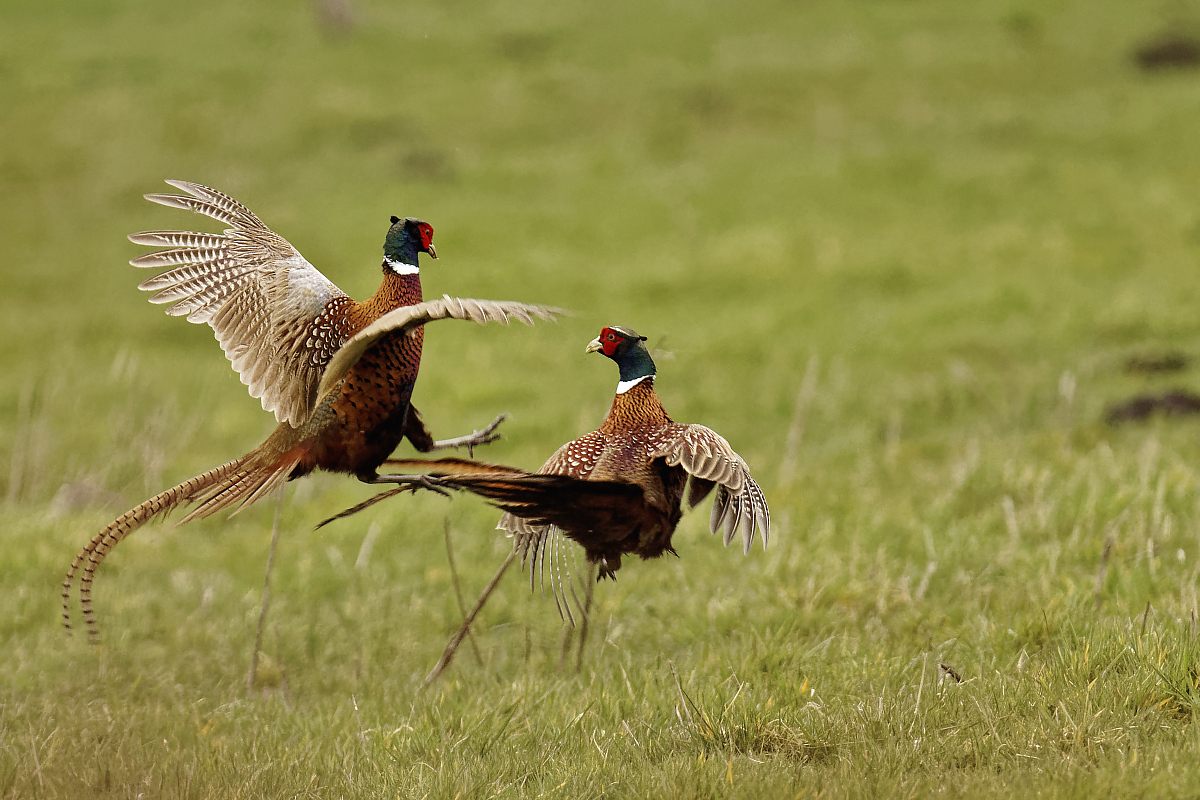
x: 456, y: 640
x: 462, y: 606
x: 808, y: 391
x: 949, y: 670
x: 252, y: 674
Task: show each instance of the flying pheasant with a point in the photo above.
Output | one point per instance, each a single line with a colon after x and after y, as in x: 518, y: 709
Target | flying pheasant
x: 618, y: 490
x: 338, y: 374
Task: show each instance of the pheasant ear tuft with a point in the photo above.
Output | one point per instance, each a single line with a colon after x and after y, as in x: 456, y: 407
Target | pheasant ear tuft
x: 395, y: 219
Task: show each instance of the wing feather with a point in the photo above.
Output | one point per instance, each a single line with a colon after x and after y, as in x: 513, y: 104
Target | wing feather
x: 409, y: 318
x: 732, y: 517
x: 252, y: 287
x: 706, y: 455
x: 188, y: 239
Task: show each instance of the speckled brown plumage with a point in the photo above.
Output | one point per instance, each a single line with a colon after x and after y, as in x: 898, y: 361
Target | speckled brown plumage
x: 370, y: 409
x: 338, y: 374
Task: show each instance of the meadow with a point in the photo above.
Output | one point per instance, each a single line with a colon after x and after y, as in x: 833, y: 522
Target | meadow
x: 900, y: 254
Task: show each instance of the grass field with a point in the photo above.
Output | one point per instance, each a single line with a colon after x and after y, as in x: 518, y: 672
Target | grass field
x: 898, y: 253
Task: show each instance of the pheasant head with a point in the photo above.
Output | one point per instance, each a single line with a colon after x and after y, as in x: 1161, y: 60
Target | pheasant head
x: 405, y: 239
x: 628, y: 349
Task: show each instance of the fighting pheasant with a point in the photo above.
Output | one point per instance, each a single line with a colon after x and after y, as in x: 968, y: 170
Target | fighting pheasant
x: 338, y: 374
x: 618, y: 490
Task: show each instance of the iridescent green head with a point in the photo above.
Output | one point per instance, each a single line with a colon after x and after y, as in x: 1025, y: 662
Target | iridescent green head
x: 628, y: 349
x: 405, y: 239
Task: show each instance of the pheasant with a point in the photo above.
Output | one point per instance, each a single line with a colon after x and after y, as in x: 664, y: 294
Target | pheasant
x: 618, y: 490
x: 338, y: 374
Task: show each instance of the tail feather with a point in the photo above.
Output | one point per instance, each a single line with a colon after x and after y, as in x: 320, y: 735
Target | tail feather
x: 244, y: 479
x: 241, y: 487
x: 282, y: 472
x: 574, y: 504
x: 437, y: 469
x: 450, y: 465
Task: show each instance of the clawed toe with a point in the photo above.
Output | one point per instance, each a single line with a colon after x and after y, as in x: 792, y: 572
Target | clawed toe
x: 492, y: 426
x: 603, y: 570
x: 429, y: 483
x: 413, y: 482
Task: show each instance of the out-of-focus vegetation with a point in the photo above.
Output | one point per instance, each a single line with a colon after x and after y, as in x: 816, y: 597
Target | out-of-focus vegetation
x: 899, y: 253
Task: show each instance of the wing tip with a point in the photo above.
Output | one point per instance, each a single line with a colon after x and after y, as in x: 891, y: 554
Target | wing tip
x: 185, y: 186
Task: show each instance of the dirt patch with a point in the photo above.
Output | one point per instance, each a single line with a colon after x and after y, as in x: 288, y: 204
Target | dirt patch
x: 1155, y: 363
x: 1169, y: 51
x: 1175, y: 403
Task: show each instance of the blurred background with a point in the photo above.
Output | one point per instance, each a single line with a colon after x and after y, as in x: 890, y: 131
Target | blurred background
x: 918, y: 261
x: 948, y: 208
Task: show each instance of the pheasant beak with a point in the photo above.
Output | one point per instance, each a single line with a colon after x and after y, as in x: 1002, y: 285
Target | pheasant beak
x: 429, y: 249
x: 594, y: 346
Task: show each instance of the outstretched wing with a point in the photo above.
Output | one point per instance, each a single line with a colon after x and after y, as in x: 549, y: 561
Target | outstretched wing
x: 263, y: 300
x: 707, y: 458
x: 409, y: 318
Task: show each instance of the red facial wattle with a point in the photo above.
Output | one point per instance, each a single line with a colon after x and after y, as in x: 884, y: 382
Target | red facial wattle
x: 610, y: 340
x: 426, y: 233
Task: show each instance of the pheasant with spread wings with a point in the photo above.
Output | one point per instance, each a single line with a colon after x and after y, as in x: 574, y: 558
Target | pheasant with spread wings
x: 338, y: 374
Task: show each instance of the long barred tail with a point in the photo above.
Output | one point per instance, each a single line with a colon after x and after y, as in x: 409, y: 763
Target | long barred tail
x: 242, y: 480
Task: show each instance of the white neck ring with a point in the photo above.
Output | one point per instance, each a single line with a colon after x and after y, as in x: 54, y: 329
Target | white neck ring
x: 625, y: 386
x: 400, y: 268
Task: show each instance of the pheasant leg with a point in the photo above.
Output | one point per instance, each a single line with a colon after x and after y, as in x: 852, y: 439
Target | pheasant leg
x: 474, y: 438
x: 404, y: 483
x: 409, y: 482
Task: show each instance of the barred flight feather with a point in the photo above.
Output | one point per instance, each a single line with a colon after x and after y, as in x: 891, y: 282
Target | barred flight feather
x: 167, y: 258
x: 232, y: 282
x: 191, y: 239
x: 197, y: 277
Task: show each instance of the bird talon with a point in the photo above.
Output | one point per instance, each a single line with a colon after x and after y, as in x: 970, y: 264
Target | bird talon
x: 605, y: 571
x: 412, y: 483
x: 429, y: 483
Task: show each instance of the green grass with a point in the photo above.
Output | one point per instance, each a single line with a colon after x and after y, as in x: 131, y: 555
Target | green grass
x: 900, y: 253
